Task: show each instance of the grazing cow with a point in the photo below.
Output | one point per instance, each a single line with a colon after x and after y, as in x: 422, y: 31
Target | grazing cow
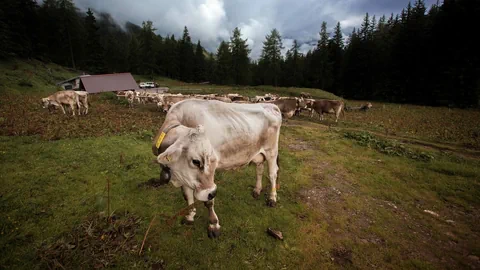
x: 239, y: 98
x: 288, y: 105
x: 366, y: 107
x: 258, y: 99
x: 305, y: 95
x: 169, y: 100
x: 83, y: 101
x: 61, y: 98
x: 131, y: 97
x: 224, y: 99
x: 199, y: 137
x: 322, y: 106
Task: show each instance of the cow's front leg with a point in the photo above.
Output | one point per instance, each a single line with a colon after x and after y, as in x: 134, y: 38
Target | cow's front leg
x: 272, y: 174
x: 188, y: 195
x: 214, y: 226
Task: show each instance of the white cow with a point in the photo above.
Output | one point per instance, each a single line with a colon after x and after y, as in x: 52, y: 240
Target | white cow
x: 200, y: 136
x: 60, y: 99
x: 131, y: 97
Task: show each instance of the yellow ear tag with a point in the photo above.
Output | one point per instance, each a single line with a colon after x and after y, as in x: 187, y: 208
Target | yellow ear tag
x: 160, y: 139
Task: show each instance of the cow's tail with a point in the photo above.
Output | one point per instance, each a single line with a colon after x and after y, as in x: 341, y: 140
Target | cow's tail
x: 278, y: 172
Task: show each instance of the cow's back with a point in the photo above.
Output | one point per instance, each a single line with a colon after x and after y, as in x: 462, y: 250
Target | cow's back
x: 226, y: 121
x: 326, y: 105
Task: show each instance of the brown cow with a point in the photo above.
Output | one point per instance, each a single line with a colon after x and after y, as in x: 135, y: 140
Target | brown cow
x: 288, y: 105
x: 305, y: 95
x: 327, y: 106
x: 239, y: 98
x: 61, y: 98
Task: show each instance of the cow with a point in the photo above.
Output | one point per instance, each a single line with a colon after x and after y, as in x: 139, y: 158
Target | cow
x: 366, y: 107
x: 305, y: 95
x: 61, y: 98
x: 224, y: 99
x: 169, y: 100
x: 83, y: 101
x: 322, y: 106
x: 288, y: 105
x: 239, y: 98
x: 199, y: 137
x: 257, y: 99
x: 131, y: 97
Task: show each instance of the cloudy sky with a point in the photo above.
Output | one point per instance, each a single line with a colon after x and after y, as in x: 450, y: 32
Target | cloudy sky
x: 213, y: 20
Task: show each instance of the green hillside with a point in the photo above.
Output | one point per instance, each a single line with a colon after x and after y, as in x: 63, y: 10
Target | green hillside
x: 17, y: 76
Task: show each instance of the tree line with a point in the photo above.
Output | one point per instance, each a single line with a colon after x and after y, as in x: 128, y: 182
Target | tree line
x: 418, y: 56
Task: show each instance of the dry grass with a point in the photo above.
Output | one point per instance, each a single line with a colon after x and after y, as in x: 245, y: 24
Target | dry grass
x: 22, y: 115
x: 437, y: 124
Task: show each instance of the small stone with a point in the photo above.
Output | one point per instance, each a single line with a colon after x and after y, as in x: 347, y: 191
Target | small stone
x: 450, y: 221
x: 275, y: 233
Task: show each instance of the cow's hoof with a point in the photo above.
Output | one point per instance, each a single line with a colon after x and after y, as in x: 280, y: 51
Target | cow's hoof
x: 213, y: 232
x: 255, y: 194
x: 271, y: 203
x: 185, y: 221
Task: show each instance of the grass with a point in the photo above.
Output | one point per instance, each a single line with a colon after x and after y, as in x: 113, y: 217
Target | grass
x: 345, y: 202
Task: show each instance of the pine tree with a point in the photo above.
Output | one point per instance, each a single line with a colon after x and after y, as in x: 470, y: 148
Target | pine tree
x: 293, y: 69
x: 336, y: 55
x: 186, y: 57
x: 171, y: 57
x: 240, y: 60
x: 93, y: 50
x: 199, y: 64
x: 324, y: 68
x: 71, y: 30
x: 271, y: 58
x: 223, y: 66
x: 147, y: 49
x: 210, y: 67
x: 134, y: 55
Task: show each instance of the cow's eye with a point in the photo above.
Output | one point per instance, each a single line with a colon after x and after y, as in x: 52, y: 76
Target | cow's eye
x: 196, y: 162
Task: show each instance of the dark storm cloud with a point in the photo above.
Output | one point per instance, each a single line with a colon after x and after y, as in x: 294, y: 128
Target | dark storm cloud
x: 213, y: 20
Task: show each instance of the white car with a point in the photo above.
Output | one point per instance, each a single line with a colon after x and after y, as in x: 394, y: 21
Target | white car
x: 147, y: 85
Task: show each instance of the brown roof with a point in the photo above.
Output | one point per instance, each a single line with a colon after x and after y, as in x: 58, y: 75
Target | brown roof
x: 109, y: 82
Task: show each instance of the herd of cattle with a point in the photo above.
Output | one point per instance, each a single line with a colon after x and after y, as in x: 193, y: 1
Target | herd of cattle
x: 289, y: 106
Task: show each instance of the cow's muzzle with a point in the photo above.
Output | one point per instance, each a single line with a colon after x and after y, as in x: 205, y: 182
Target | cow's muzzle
x: 206, y: 194
x: 165, y: 175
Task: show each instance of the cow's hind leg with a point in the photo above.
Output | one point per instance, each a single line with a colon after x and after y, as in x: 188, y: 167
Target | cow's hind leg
x: 259, y: 161
x: 63, y: 109
x: 214, y: 226
x: 272, y: 159
x: 73, y: 109
x: 188, y: 195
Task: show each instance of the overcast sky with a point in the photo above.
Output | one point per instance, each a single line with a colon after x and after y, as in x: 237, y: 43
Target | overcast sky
x: 213, y: 20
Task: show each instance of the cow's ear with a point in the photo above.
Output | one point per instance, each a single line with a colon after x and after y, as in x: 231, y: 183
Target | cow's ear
x: 171, y: 154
